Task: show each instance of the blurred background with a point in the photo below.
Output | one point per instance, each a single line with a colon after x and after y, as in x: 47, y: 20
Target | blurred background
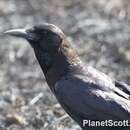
x: 98, y: 29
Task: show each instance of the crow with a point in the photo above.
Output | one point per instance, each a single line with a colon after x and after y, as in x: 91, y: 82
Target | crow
x: 84, y: 92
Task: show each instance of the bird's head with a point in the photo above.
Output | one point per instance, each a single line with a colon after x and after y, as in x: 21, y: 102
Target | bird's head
x: 45, y: 37
x: 52, y: 49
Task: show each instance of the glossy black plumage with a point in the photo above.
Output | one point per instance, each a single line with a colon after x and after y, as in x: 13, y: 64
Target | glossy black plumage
x: 84, y: 92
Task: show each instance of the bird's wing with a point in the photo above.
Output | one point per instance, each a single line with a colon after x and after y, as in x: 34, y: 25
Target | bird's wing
x: 105, y: 83
x: 90, y: 103
x: 123, y: 86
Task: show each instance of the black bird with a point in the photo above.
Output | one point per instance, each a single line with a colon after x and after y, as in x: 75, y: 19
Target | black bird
x: 84, y: 92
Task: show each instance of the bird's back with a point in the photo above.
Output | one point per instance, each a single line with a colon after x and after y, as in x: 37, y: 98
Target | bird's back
x: 92, y: 95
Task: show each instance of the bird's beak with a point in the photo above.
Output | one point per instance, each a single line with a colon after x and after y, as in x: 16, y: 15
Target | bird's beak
x: 17, y: 32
